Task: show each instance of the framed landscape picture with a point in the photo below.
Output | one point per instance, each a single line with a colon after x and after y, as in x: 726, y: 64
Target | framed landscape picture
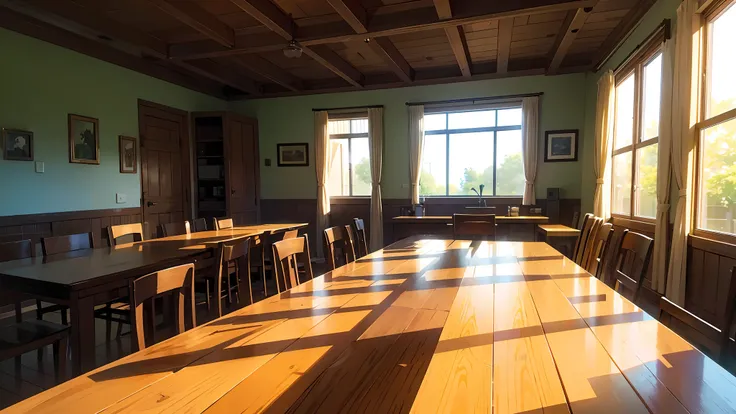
x: 84, y: 140
x: 128, y: 155
x: 17, y: 145
x: 293, y: 155
x: 561, y: 146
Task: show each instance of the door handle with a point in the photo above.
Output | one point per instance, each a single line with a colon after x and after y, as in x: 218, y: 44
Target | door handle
x: 150, y: 204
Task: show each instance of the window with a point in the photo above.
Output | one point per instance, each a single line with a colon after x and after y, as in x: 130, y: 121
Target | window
x: 716, y: 206
x: 636, y: 136
x: 350, y: 167
x: 463, y: 150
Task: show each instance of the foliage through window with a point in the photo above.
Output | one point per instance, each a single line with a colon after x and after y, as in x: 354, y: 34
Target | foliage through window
x: 636, y: 137
x: 716, y: 206
x: 463, y: 150
x: 349, y: 162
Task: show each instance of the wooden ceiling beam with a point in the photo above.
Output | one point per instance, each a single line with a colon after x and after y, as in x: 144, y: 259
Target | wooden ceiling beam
x: 402, y: 22
x: 353, y: 13
x: 225, y: 75
x: 505, y: 29
x: 456, y: 37
x: 628, y: 23
x: 573, y: 23
x: 268, y: 70
x: 199, y: 19
x: 332, y: 61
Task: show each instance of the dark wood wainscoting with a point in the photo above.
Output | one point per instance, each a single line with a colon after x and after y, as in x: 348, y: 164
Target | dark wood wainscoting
x: 709, y: 265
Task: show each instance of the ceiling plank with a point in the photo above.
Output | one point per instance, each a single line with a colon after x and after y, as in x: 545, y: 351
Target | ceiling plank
x: 353, y: 13
x: 628, y: 23
x: 199, y: 19
x: 382, y: 25
x: 332, y: 61
x: 225, y: 75
x: 456, y: 37
x: 570, y: 28
x: 270, y: 71
x: 505, y: 29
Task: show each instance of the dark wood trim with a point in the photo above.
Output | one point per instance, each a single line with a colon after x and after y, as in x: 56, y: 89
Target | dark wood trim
x: 714, y: 246
x: 572, y: 25
x: 635, y: 225
x: 505, y: 30
x: 619, y: 34
x: 19, y: 220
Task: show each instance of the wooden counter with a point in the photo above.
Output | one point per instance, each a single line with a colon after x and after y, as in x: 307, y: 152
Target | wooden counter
x: 521, y: 228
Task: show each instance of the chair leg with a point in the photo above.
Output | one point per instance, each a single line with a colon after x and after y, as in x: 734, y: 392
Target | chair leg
x: 39, y: 312
x: 237, y: 282
x: 60, y: 350
x: 229, y: 287
x: 207, y: 290
x: 108, y: 322
x: 263, y: 269
x: 120, y: 330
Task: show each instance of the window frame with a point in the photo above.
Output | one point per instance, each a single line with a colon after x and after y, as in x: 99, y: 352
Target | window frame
x: 350, y: 137
x: 710, y: 14
x: 635, y: 67
x: 447, y: 132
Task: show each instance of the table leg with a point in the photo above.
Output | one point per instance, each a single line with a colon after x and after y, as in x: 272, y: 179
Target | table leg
x: 82, y: 334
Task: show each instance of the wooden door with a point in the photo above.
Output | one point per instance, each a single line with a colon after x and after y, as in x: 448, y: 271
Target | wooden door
x: 242, y: 166
x: 164, y: 165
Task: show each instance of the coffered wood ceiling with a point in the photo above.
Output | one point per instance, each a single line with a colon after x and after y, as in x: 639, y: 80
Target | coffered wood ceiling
x: 233, y: 48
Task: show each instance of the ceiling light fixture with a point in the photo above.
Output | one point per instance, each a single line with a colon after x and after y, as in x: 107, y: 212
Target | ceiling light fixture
x: 293, y: 50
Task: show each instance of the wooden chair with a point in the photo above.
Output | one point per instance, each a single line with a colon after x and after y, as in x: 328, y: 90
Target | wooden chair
x: 286, y: 256
x: 335, y: 238
x: 177, y: 280
x: 361, y: 241
x: 582, y: 238
x: 176, y: 229
x: 235, y: 252
x: 266, y: 252
x: 474, y: 226
x: 24, y: 336
x: 223, y: 224
x: 133, y: 231
x: 59, y: 245
x: 712, y: 339
x: 575, y: 220
x: 632, y: 262
x: 587, y: 248
x: 595, y: 264
x: 200, y: 224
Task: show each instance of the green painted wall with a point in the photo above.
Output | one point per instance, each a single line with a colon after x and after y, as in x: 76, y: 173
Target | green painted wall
x: 283, y: 120
x: 41, y: 83
x: 663, y: 9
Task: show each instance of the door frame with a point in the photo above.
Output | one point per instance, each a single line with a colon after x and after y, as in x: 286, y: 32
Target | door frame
x: 185, y: 153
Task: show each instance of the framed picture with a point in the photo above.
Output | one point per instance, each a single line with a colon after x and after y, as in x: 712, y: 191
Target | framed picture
x: 128, y: 155
x: 561, y: 146
x: 84, y: 140
x: 293, y: 155
x: 17, y: 145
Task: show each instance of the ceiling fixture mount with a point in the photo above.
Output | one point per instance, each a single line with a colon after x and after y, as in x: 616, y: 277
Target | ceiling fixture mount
x: 293, y: 50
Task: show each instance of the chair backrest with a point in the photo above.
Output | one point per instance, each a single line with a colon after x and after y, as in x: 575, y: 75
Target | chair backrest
x: 286, y: 255
x: 601, y: 241
x: 361, y: 240
x: 64, y: 244
x: 200, y: 224
x: 474, y: 226
x: 16, y: 250
x: 224, y: 224
x: 582, y: 238
x: 587, y: 249
x: 632, y: 261
x: 179, y: 280
x: 290, y: 234
x: 135, y: 230
x: 712, y: 339
x: 575, y: 220
x: 337, y: 245
x: 176, y: 228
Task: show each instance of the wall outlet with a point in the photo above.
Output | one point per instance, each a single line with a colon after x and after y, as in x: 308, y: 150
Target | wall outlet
x: 121, y: 198
x: 40, y: 166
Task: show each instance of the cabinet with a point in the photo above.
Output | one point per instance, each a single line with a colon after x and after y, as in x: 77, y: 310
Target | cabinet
x: 227, y: 176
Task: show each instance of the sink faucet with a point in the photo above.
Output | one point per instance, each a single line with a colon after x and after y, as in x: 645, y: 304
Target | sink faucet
x: 480, y: 195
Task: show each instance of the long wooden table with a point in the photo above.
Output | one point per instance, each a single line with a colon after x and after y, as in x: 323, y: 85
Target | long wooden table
x: 87, y: 278
x: 519, y: 228
x: 421, y: 326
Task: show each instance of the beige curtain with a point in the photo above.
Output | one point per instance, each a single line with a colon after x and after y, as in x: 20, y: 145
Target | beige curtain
x: 529, y: 146
x: 664, y: 172
x: 603, y: 141
x: 416, y: 147
x: 684, y: 116
x: 321, y: 163
x: 375, y: 138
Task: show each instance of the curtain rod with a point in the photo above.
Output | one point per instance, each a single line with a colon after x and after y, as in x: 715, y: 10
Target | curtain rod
x: 523, y: 95
x: 663, y: 27
x: 346, y: 108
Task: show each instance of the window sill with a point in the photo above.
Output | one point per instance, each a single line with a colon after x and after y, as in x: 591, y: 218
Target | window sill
x: 703, y: 241
x: 350, y: 200
x: 637, y: 225
x: 465, y: 200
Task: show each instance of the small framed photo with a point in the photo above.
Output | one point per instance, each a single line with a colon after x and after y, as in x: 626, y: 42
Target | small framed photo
x: 128, y: 155
x: 84, y: 140
x: 293, y: 155
x: 17, y: 145
x: 561, y: 146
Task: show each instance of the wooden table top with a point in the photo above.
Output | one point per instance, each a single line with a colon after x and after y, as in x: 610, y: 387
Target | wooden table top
x: 273, y: 227
x: 558, y: 230
x: 421, y: 326
x: 448, y: 219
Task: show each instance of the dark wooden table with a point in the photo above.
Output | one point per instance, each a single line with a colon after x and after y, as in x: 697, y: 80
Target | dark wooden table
x: 423, y: 326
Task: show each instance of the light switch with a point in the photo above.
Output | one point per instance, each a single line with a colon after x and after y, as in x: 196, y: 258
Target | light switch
x: 39, y: 166
x: 121, y: 198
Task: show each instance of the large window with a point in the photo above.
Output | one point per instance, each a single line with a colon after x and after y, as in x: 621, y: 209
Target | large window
x: 716, y: 208
x: 636, y: 136
x: 463, y: 150
x: 349, y: 163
